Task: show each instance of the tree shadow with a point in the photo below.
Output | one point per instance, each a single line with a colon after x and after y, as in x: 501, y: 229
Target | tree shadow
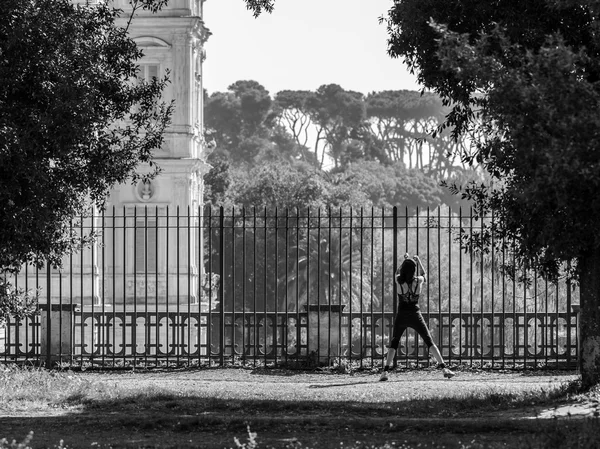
x: 168, y: 417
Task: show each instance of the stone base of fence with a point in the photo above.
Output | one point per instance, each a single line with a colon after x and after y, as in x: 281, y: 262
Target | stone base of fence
x: 56, y: 332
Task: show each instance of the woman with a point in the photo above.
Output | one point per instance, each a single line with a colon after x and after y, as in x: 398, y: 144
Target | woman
x: 409, y: 314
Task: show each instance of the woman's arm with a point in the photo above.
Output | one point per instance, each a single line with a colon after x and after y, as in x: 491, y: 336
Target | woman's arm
x: 420, y: 266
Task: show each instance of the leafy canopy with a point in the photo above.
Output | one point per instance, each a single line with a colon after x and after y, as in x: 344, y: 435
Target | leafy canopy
x: 522, y: 79
x: 73, y: 123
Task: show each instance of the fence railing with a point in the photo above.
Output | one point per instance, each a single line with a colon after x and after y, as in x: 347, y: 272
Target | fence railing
x: 300, y: 287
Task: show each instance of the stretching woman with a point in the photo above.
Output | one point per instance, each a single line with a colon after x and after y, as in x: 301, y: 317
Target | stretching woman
x: 409, y: 314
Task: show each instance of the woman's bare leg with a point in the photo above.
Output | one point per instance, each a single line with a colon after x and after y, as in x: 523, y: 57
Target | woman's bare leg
x: 390, y: 357
x: 436, y: 354
x: 438, y: 357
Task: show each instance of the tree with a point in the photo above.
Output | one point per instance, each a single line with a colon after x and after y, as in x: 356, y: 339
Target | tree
x: 522, y: 77
x: 338, y: 113
x: 387, y: 186
x: 258, y: 6
x: 243, y: 122
x: 296, y: 116
x: 403, y: 121
x: 72, y: 123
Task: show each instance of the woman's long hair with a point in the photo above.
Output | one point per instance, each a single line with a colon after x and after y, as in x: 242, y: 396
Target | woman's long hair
x: 407, y: 271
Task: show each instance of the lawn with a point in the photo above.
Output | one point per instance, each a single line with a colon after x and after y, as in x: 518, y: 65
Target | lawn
x: 262, y: 408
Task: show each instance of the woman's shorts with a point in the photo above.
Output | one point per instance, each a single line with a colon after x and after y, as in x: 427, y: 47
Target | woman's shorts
x: 410, y: 318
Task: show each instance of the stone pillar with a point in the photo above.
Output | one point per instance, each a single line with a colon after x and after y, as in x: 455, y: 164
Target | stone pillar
x: 324, y: 331
x: 57, y: 345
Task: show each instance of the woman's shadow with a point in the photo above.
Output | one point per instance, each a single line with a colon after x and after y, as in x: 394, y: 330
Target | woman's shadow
x: 340, y: 385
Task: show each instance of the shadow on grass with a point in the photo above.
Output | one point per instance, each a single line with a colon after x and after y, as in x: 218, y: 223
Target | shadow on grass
x: 169, y: 420
x: 164, y: 419
x: 145, y: 416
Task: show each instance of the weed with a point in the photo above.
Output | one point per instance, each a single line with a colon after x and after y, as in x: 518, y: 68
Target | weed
x: 250, y: 443
x: 5, y: 444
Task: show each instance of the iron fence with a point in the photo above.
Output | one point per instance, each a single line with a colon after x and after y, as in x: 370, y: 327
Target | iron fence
x: 284, y: 287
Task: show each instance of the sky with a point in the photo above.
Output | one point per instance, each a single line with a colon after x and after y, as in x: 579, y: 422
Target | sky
x: 302, y: 45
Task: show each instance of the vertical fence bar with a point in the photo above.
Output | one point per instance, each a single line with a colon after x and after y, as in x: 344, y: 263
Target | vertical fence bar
x: 492, y: 277
x: 265, y: 285
x: 209, y: 320
x: 176, y: 322
x: 362, y: 320
x: 38, y: 330
x: 222, y: 285
x: 244, y: 276
x: 383, y: 320
x: 329, y: 278
x: 460, y: 289
x: 418, y: 251
x: 350, y: 288
x: 545, y: 344
x: 308, y: 279
x: 233, y: 289
x: 471, y: 317
x: 535, y: 318
x: 439, y: 298
x: 255, y: 285
x: 514, y: 307
x: 146, y: 316
x: 201, y: 277
x: 340, y: 262
x: 481, y: 300
x: 394, y: 267
x: 428, y: 233
x: 276, y: 286
x: 189, y: 289
x: 449, y: 285
x: 555, y: 330
x: 503, y: 327
x: 124, y: 333
x: 156, y: 271
x: 319, y: 265
x: 568, y: 315
x: 297, y: 277
x: 48, y: 315
x: 286, y: 253
x: 95, y: 332
x: 102, y: 294
x: 373, y: 325
x: 135, y: 314
x: 525, y: 324
x: 167, y: 314
x: 557, y: 325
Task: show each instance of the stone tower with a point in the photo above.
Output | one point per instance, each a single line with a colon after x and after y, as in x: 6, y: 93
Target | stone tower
x: 142, y: 257
x: 172, y: 40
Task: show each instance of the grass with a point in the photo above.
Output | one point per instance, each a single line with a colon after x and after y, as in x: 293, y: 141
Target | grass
x: 37, y: 389
x: 247, y: 413
x: 33, y: 389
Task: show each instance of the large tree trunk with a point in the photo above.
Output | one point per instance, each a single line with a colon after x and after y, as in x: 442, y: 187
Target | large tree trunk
x: 589, y: 324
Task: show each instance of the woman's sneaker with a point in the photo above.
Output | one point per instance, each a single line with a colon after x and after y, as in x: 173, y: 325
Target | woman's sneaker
x: 448, y: 374
x: 384, y: 375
